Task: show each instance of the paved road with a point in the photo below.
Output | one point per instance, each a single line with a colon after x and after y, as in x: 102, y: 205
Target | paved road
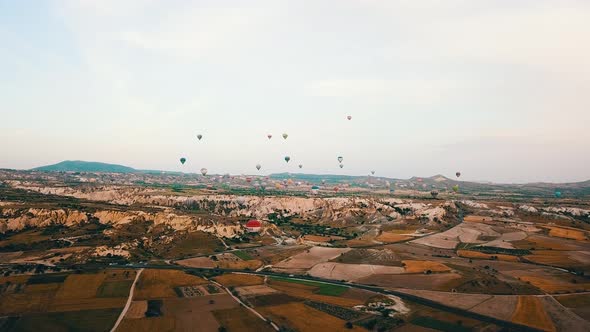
x: 128, y: 304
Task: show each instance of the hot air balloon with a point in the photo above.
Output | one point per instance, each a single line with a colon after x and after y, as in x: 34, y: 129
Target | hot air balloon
x: 204, y: 171
x: 285, y: 135
x: 182, y: 160
x: 456, y: 188
x: 458, y: 174
x: 300, y: 166
x: 287, y: 158
x: 199, y: 136
x: 340, y: 159
x: 269, y: 136
x: 341, y: 165
x: 434, y: 194
x: 557, y: 194
x: 258, y: 166
x: 349, y: 117
x: 372, y: 172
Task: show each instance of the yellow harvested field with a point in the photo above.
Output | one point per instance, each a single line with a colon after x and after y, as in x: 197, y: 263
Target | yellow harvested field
x: 473, y: 218
x: 529, y: 311
x: 137, y: 309
x: 241, y: 320
x: 307, y: 292
x: 24, y: 303
x: 59, y: 305
x: 358, y: 243
x: 567, y: 233
x: 237, y: 280
x: 21, y: 279
x: 554, y: 285
x: 40, y: 288
x: 80, y: 286
x: 390, y: 237
x: 153, y: 324
x: 552, y: 257
x: 303, y: 318
x: 240, y: 264
x: 481, y: 255
x: 154, y: 284
x: 549, y: 243
x: 399, y: 231
x: 412, y: 266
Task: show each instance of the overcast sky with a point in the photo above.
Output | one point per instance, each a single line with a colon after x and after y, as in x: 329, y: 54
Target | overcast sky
x: 499, y: 90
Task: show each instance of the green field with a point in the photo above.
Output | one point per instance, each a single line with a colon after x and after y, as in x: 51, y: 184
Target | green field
x: 323, y: 289
x: 114, y: 289
x: 242, y: 255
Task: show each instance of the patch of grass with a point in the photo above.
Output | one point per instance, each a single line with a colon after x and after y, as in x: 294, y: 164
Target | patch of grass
x: 323, y: 289
x: 242, y: 255
x: 114, y: 289
x: 440, y: 325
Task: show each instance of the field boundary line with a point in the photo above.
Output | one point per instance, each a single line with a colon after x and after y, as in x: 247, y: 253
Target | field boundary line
x: 128, y: 304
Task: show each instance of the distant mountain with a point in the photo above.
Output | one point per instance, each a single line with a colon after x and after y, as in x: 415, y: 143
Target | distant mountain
x: 85, y: 166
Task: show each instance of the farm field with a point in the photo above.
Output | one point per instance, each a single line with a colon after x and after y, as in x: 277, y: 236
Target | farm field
x: 567, y: 233
x: 555, y: 285
x: 481, y: 255
x: 412, y: 266
x: 309, y: 258
x: 224, y: 261
x: 240, y: 320
x: 309, y: 291
x: 386, y: 257
x: 304, y: 319
x: 530, y: 311
x: 578, y: 303
x: 86, y: 320
x: 322, y: 288
x: 237, y: 280
x: 338, y: 271
x: 389, y: 237
x: 439, y: 281
x: 160, y: 283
